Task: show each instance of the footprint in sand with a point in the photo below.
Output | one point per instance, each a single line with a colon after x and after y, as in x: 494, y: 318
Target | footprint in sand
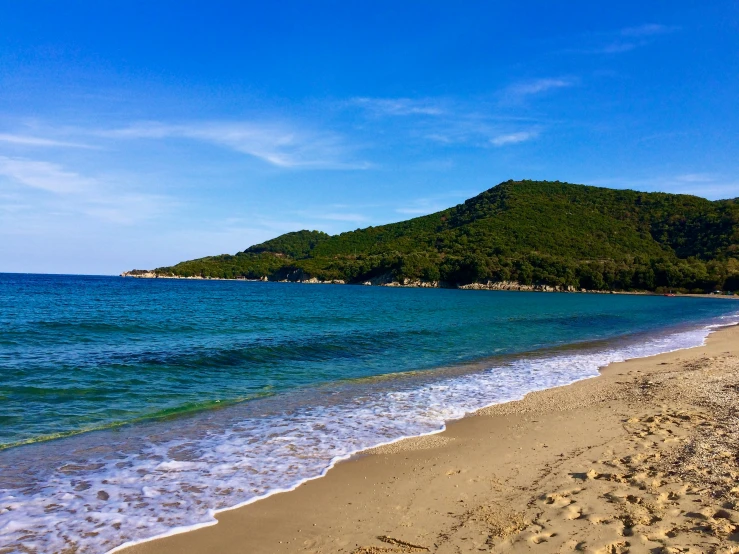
x: 557, y: 500
x: 620, y: 547
x: 541, y: 538
x: 598, y: 519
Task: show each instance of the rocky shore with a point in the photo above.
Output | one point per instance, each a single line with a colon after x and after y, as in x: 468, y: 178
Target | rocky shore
x: 385, y: 280
x: 146, y: 274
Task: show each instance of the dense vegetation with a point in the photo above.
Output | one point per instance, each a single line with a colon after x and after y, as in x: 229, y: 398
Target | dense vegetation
x: 532, y: 232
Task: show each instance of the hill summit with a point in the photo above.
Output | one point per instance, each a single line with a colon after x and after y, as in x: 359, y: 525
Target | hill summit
x: 518, y: 234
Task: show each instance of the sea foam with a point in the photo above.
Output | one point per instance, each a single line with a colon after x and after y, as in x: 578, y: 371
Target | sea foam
x: 103, y: 491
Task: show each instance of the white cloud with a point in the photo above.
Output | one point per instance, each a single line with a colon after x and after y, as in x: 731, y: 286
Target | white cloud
x: 440, y: 137
x: 277, y: 144
x: 474, y: 129
x: 538, y: 86
x: 399, y: 106
x: 649, y: 29
x: 617, y: 48
x: 75, y: 194
x: 43, y: 175
x: 629, y: 38
x: 452, y: 122
x: 25, y: 140
x: 514, y: 138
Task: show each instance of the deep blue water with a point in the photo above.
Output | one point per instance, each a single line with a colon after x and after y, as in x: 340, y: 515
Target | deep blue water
x: 202, y: 373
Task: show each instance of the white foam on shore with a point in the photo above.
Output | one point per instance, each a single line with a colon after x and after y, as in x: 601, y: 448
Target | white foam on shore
x: 180, y: 482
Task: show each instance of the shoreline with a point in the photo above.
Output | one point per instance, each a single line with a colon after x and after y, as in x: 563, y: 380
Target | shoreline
x: 490, y: 286
x: 278, y: 507
x: 143, y: 481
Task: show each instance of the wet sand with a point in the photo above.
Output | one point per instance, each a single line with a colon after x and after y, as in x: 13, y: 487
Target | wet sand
x: 644, y: 458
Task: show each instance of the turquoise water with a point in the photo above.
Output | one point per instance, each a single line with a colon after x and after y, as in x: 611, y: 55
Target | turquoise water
x: 118, y: 395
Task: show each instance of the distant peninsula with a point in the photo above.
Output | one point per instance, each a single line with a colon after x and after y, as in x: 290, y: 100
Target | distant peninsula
x: 522, y: 235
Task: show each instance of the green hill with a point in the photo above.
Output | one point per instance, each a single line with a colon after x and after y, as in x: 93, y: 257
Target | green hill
x: 530, y: 232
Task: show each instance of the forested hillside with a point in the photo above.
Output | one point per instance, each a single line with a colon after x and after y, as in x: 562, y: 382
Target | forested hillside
x: 530, y: 232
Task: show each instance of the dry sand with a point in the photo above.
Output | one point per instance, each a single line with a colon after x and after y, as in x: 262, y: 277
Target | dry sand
x: 644, y: 458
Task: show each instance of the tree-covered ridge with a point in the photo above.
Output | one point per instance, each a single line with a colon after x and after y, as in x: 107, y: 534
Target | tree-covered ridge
x: 298, y: 244
x: 532, y: 232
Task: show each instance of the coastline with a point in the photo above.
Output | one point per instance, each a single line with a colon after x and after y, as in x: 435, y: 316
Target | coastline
x: 480, y: 481
x: 384, y: 281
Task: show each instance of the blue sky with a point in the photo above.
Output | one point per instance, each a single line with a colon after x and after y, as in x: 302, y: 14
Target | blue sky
x: 140, y: 134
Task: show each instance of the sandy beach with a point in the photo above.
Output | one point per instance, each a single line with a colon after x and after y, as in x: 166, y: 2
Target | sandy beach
x: 644, y: 458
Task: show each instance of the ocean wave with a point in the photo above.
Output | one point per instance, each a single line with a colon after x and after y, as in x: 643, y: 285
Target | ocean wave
x: 98, y: 491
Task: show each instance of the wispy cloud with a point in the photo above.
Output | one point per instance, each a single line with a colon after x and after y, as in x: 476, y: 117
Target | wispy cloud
x: 457, y: 132
x: 476, y: 125
x: 479, y: 133
x: 44, y: 175
x: 628, y: 38
x: 73, y: 193
x: 538, y: 86
x: 25, y: 140
x: 400, y: 106
x: 617, y: 47
x: 278, y: 144
x: 523, y: 92
x: 648, y: 30
x: 514, y: 138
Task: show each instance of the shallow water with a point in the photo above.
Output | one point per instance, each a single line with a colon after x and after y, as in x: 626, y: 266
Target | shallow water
x: 204, y: 395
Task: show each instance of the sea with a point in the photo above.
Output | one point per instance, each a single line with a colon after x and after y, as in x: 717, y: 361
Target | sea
x: 137, y: 408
